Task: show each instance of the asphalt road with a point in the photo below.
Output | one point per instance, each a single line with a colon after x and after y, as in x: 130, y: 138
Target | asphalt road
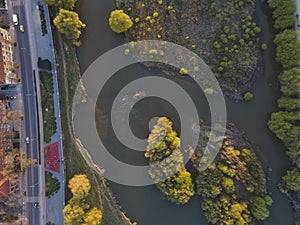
x: 30, y: 118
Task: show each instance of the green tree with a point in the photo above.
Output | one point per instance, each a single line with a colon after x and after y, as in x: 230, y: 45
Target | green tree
x: 283, y: 13
x: 258, y: 208
x: 248, y: 96
x: 69, y: 24
x: 119, y: 21
x: 65, y: 4
x: 288, y: 103
x: 290, y: 81
x: 292, y: 179
x: 288, y: 48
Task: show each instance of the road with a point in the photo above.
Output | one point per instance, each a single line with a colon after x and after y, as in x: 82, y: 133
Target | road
x: 30, y: 119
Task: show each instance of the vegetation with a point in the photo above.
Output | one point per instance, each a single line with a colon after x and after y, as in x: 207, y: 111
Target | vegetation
x: 49, y: 125
x: 66, y: 4
x: 229, y: 45
x: 290, y: 82
x: 163, y: 146
x: 283, y: 13
x: 100, y: 195
x: 52, y: 184
x: 77, y: 210
x: 288, y: 48
x: 291, y: 180
x: 233, y: 188
x: 285, y: 124
x: 288, y: 103
x: 119, y: 21
x: 248, y: 96
x: 69, y: 24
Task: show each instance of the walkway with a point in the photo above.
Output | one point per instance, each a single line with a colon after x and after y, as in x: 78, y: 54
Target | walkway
x: 45, y: 50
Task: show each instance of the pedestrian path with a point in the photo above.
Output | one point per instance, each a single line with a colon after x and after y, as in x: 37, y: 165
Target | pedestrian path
x: 45, y: 50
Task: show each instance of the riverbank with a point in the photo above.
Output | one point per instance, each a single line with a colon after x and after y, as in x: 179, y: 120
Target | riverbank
x: 224, y: 35
x: 100, y: 194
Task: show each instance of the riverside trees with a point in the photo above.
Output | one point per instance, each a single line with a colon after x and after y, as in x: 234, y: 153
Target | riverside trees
x: 77, y: 212
x: 285, y: 124
x: 163, y: 148
x: 67, y: 21
x: 69, y: 24
x: 233, y: 188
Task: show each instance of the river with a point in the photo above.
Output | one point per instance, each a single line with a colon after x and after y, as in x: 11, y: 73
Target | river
x: 145, y: 204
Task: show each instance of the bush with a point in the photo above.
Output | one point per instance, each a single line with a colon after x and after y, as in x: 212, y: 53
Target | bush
x: 264, y: 47
x: 248, y: 96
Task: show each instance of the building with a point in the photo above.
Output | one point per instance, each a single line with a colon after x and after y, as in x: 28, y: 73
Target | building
x: 6, y: 68
x: 7, y: 57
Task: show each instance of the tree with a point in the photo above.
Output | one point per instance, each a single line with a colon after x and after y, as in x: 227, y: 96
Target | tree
x: 248, y: 96
x: 288, y: 103
x: 288, y: 48
x: 69, y: 24
x: 283, y: 13
x: 258, y: 208
x: 80, y: 186
x: 73, y: 214
x: 119, y: 21
x: 65, y: 4
x: 93, y: 217
x: 292, y: 179
x: 290, y: 81
x: 163, y: 147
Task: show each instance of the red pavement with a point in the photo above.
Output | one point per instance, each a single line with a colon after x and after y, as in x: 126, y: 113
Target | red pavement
x: 52, y: 157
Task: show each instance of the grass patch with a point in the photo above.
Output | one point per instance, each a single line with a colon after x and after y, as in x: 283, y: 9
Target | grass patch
x: 49, y: 125
x: 52, y: 184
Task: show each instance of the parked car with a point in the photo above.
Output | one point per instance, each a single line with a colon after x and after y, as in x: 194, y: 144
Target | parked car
x: 15, y: 19
x: 22, y: 28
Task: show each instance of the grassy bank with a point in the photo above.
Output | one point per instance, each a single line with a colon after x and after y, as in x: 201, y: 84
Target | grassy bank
x: 100, y: 195
x: 49, y: 124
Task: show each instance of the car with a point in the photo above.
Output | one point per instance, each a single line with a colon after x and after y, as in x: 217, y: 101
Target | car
x: 22, y: 28
x: 27, y: 140
x: 36, y: 205
x: 15, y: 19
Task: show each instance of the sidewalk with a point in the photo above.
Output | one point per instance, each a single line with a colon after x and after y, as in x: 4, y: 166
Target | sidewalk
x: 45, y: 50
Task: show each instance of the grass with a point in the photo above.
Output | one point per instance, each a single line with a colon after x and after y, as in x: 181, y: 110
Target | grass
x: 49, y: 125
x: 52, y: 184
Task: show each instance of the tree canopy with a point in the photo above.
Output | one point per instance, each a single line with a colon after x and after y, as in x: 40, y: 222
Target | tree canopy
x: 119, y: 21
x: 66, y: 4
x: 163, y: 147
x: 292, y: 179
x: 77, y: 212
x: 288, y: 48
x: 69, y: 24
x: 283, y: 13
x: 80, y: 186
x: 290, y: 81
x: 93, y: 217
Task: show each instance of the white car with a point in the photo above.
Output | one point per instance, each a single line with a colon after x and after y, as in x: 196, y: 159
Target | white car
x: 27, y: 140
